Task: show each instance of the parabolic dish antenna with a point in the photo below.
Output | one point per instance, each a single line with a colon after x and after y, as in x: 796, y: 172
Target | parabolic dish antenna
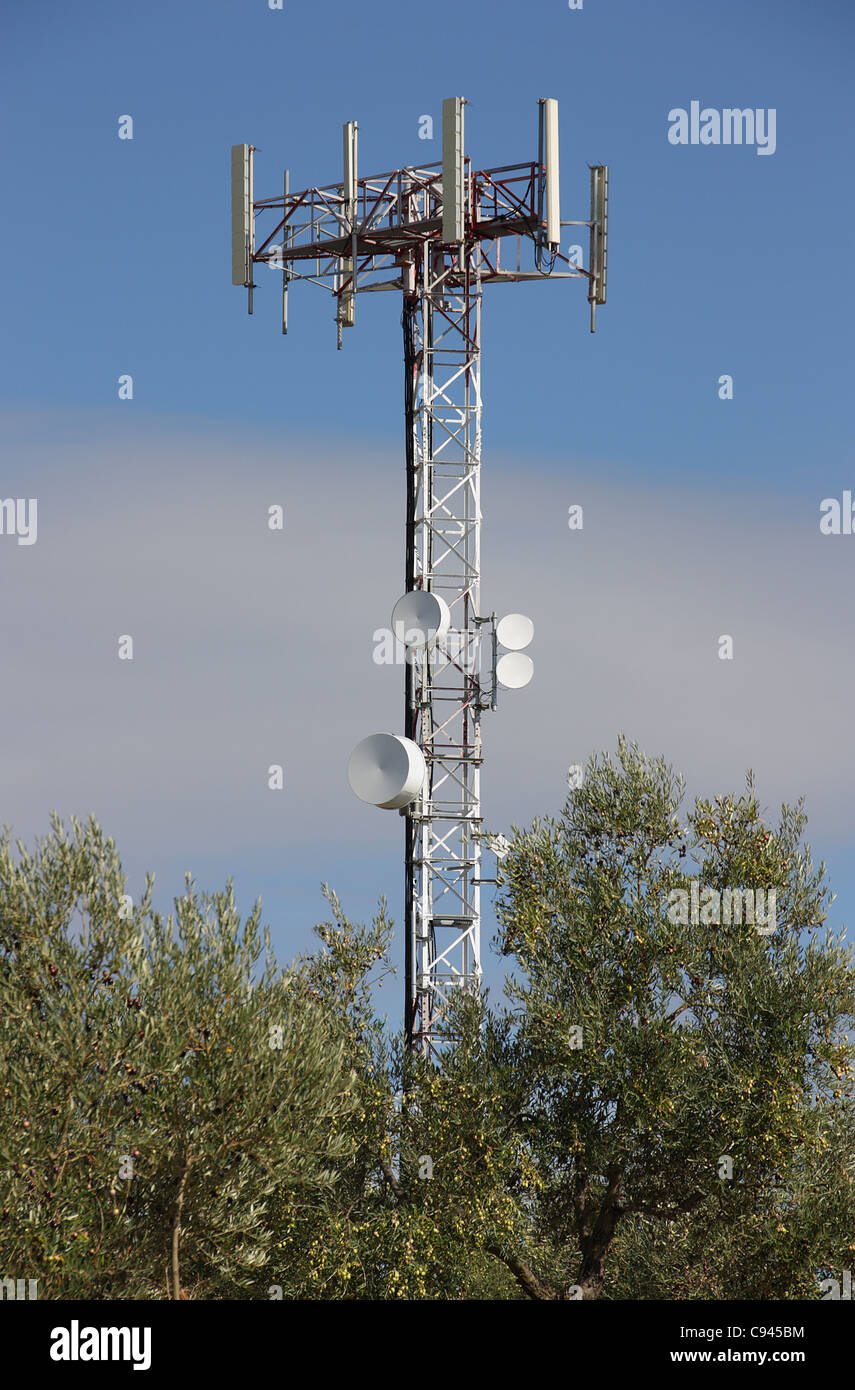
x: 514, y: 670
x: 515, y: 631
x: 420, y: 618
x: 386, y: 770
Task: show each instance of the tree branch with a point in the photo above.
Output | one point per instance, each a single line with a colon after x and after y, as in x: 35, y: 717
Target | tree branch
x: 389, y: 1175
x: 524, y: 1275
x: 176, y: 1230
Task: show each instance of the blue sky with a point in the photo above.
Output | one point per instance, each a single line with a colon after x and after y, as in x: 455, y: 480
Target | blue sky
x: 720, y: 261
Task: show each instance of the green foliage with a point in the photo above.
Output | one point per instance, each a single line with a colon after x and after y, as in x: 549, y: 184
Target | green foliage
x: 663, y: 1109
x: 130, y: 1037
x: 414, y: 1215
x: 800, y: 1228
x: 698, y: 1040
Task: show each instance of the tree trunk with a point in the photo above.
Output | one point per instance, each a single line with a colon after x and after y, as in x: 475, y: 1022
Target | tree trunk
x: 176, y: 1232
x: 595, y: 1235
x: 592, y: 1273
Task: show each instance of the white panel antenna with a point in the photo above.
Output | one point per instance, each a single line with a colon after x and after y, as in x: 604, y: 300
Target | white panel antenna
x: 243, y: 239
x: 551, y: 212
x: 286, y: 186
x: 453, y: 182
x: 347, y: 301
x: 599, y: 238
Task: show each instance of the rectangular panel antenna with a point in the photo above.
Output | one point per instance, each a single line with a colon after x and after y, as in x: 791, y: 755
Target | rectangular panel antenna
x: 243, y: 244
x: 453, y: 186
x: 549, y: 147
x: 599, y: 238
x: 286, y: 241
x: 347, y: 303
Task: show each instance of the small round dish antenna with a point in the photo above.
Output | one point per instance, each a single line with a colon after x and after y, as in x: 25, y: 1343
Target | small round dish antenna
x: 386, y: 770
x: 514, y: 631
x: 514, y: 670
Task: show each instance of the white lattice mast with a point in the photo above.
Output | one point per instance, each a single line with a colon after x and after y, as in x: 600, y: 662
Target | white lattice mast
x: 439, y: 231
x: 444, y: 694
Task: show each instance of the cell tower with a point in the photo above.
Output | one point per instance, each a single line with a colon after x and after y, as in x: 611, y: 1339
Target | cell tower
x: 436, y: 233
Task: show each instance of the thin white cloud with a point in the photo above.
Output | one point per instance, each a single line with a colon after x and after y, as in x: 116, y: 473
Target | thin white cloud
x: 254, y: 647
